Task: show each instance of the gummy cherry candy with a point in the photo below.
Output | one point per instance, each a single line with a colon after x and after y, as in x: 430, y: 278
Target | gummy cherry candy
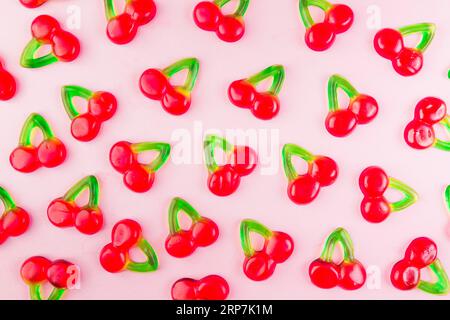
x: 404, y: 275
x: 202, y: 233
x: 34, y: 270
x: 340, y: 16
x: 122, y: 28
x: 50, y: 153
x: 212, y: 287
x: 322, y: 172
x: 362, y: 108
x: 225, y: 179
x: 420, y: 254
x: 14, y: 220
x: 136, y: 176
x: 46, y: 30
x: 389, y: 43
x: 373, y: 183
x: 38, y: 270
x: 60, y: 274
x: 349, y: 274
x: 7, y: 84
x: 430, y: 110
x: 32, y: 3
x: 141, y: 11
x: 115, y: 256
x: 320, y: 36
x: 229, y: 28
x: 420, y: 133
x: 278, y: 246
x: 64, y: 212
x: 176, y: 100
x: 207, y: 15
x: 263, y: 105
x: 102, y: 106
x: 243, y: 160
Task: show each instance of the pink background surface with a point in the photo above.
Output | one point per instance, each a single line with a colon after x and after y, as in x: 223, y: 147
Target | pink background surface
x: 274, y: 35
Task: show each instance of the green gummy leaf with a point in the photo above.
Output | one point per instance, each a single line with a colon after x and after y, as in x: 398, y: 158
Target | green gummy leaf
x: 177, y: 205
x: 70, y: 92
x: 248, y: 226
x: 28, y: 60
x: 152, y: 259
x: 409, y: 195
x: 290, y: 150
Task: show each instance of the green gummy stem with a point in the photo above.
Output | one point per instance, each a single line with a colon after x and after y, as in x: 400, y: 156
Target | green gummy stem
x: 276, y: 72
x: 342, y: 237
x: 210, y: 143
x: 447, y: 197
x: 152, y: 260
x: 192, y: 64
x: 8, y: 202
x: 68, y: 93
x: 334, y: 83
x: 290, y: 150
x: 410, y: 195
x: 303, y: 5
x: 28, y: 60
x: 442, y: 285
x: 33, y: 121
x: 240, y: 10
x: 90, y: 182
x: 110, y: 9
x: 248, y: 226
x: 441, y: 144
x: 426, y: 29
x: 35, y: 293
x: 177, y: 205
x: 158, y: 162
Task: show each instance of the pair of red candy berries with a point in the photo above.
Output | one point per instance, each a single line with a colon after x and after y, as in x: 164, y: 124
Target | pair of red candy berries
x: 223, y: 180
x: 321, y: 35
x: 50, y: 153
x: 126, y: 235
x: 389, y: 44
x: 209, y: 17
x: 349, y: 274
x: 362, y: 108
x: 101, y: 106
x: 183, y: 242
x: 420, y: 254
x: 212, y: 287
x: 38, y: 270
x: 64, y: 212
x: 304, y: 188
x: 123, y: 27
x: 420, y: 133
x: 373, y: 183
x: 46, y: 30
x: 138, y: 177
x: 263, y: 105
x: 277, y: 248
